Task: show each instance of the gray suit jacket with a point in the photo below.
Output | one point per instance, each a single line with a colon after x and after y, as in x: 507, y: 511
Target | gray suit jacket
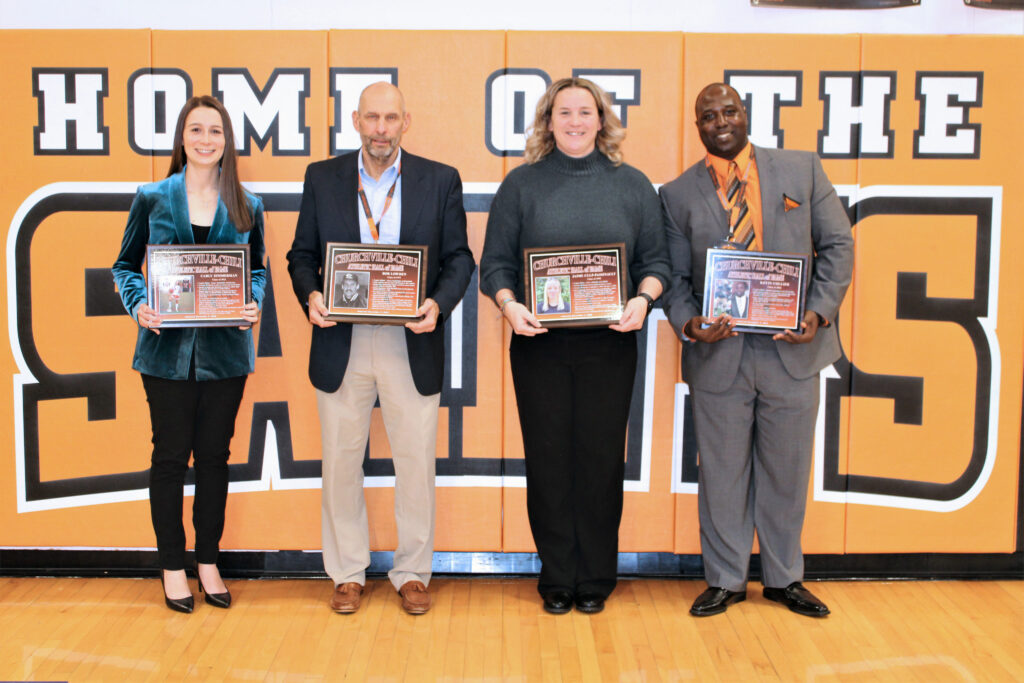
x: 818, y: 228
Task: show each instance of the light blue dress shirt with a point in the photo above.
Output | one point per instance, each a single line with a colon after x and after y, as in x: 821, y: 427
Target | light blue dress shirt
x: 390, y: 227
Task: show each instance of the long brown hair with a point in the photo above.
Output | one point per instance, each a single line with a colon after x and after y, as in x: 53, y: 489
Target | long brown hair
x: 231, y: 192
x: 609, y: 138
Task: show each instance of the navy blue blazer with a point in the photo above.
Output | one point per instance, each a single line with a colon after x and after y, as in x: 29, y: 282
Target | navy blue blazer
x: 432, y: 215
x: 159, y: 215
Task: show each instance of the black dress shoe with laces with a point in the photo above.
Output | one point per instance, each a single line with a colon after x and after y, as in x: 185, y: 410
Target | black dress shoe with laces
x: 798, y: 599
x: 557, y: 602
x: 715, y: 600
x: 590, y: 603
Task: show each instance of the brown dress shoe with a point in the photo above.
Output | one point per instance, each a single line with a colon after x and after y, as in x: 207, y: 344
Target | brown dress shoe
x: 415, y: 598
x: 345, y: 599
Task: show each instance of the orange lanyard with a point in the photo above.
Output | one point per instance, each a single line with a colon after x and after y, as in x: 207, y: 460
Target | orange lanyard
x: 366, y: 204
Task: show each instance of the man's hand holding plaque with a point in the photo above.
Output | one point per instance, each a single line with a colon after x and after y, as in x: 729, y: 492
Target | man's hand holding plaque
x: 753, y: 291
x: 381, y: 284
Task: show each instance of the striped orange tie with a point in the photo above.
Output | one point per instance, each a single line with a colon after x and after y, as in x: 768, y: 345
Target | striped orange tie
x: 741, y: 223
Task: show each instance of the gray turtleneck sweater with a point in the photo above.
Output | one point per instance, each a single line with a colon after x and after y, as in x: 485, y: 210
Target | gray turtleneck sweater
x: 564, y: 201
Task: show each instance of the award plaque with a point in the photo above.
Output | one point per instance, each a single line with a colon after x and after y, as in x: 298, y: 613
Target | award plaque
x: 199, y: 285
x: 575, y: 286
x: 762, y: 292
x: 381, y: 284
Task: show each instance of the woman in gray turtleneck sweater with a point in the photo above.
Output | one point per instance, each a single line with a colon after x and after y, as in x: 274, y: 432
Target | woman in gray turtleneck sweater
x: 573, y: 385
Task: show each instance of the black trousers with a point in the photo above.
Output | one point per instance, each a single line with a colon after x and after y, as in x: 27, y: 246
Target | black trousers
x: 573, y: 388
x: 190, y: 418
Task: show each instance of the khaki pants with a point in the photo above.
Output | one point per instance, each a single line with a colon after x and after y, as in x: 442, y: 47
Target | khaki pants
x: 378, y: 366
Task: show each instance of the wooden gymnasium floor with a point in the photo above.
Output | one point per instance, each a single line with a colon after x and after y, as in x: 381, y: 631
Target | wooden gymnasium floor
x: 486, y: 629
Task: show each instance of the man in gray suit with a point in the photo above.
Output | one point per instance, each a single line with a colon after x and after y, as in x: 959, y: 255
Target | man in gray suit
x: 755, y: 397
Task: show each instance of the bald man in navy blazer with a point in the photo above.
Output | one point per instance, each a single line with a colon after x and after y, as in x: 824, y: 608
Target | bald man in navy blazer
x: 409, y: 200
x: 754, y: 396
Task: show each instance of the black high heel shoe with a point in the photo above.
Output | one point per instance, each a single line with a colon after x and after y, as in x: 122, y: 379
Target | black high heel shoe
x: 183, y: 605
x: 222, y: 600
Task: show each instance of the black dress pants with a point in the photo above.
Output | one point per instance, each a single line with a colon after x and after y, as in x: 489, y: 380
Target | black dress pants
x: 573, y: 389
x: 194, y: 418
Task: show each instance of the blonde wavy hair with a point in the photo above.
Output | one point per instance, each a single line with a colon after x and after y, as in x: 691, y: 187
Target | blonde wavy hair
x: 609, y: 138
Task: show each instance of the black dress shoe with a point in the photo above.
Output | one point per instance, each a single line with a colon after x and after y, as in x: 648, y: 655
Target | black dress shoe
x: 797, y: 598
x: 183, y: 605
x: 222, y: 600
x: 715, y: 600
x: 590, y: 603
x: 557, y: 602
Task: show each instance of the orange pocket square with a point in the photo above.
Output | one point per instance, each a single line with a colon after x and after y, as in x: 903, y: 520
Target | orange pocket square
x: 789, y: 203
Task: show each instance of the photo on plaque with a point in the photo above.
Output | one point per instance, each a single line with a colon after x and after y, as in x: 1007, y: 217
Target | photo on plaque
x: 199, y: 285
x: 553, y: 295
x: 350, y: 290
x: 575, y: 286
x: 175, y: 294
x: 763, y: 292
x: 381, y: 284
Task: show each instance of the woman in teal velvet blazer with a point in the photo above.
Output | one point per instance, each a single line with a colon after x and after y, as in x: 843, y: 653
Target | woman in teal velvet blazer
x: 193, y: 376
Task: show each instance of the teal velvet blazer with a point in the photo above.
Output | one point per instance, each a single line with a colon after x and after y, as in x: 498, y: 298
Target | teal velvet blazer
x: 159, y: 215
